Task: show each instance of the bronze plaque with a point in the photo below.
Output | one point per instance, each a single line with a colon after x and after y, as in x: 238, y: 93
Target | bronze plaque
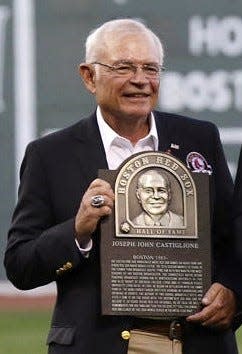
x: 155, y: 247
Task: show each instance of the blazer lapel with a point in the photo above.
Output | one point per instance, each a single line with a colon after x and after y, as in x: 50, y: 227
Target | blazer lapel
x: 162, y: 131
x: 91, y: 151
x: 169, y: 139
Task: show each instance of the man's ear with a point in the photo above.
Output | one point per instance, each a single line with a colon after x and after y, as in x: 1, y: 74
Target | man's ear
x: 169, y: 195
x: 137, y: 194
x: 88, y: 76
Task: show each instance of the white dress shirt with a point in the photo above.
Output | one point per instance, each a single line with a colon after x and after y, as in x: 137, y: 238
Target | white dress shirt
x: 117, y: 148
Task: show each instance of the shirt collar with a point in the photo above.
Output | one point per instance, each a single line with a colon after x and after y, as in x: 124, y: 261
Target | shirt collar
x: 108, y: 134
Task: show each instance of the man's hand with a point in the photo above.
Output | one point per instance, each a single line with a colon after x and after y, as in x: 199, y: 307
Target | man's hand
x: 219, y: 308
x: 88, y: 216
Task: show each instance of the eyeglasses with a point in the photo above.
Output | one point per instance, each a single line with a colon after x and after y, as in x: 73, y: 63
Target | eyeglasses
x: 151, y: 71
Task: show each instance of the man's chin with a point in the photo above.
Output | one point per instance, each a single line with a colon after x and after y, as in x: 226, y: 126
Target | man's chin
x: 156, y: 212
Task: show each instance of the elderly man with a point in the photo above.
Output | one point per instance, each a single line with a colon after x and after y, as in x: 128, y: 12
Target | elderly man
x: 54, y: 234
x: 154, y: 195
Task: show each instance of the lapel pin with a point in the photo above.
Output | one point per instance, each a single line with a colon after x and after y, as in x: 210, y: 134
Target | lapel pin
x: 175, y: 146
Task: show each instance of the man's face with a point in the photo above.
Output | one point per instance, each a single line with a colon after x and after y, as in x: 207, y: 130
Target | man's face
x: 129, y: 97
x: 154, y: 194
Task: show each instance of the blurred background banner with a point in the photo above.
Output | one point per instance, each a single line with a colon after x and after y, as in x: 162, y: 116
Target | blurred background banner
x: 41, y: 45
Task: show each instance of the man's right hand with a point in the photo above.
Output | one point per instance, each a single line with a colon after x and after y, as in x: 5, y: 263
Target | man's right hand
x: 88, y: 216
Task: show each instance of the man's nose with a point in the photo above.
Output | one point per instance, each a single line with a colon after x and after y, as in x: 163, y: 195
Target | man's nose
x: 139, y: 75
x: 156, y: 194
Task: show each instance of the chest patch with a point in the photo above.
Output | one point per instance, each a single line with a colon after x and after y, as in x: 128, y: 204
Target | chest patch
x: 196, y: 162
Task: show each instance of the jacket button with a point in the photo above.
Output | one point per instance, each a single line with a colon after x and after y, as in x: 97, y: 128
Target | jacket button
x: 59, y: 271
x: 68, y: 265
x: 125, y: 335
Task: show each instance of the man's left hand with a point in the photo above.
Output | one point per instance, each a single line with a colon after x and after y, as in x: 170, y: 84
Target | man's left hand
x: 219, y: 307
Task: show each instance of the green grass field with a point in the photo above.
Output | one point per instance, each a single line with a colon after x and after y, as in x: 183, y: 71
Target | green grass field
x: 239, y: 340
x: 25, y: 332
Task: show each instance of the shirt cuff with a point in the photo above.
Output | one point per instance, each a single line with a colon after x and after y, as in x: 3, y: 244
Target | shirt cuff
x: 84, y: 251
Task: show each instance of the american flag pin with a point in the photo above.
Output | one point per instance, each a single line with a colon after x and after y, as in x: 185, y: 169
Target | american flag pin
x: 175, y: 146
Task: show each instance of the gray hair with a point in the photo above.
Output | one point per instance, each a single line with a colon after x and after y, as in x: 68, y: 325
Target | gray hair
x: 96, y: 39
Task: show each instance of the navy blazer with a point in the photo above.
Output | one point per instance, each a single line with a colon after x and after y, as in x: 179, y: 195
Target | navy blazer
x: 56, y: 171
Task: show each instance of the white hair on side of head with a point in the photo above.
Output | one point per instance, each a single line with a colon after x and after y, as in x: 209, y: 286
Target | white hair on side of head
x: 96, y: 38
